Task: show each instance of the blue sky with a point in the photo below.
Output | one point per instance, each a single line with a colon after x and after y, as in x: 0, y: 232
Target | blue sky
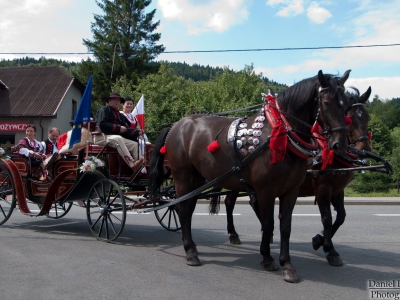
x: 59, y: 26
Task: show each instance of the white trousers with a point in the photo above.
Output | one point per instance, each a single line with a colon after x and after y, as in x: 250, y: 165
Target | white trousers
x: 127, y: 149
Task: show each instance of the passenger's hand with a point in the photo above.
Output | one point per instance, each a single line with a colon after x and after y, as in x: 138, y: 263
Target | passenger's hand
x: 123, y: 129
x: 37, y: 155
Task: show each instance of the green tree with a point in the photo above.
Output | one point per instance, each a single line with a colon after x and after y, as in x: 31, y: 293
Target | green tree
x: 387, y: 111
x: 127, y: 29
x: 382, y: 145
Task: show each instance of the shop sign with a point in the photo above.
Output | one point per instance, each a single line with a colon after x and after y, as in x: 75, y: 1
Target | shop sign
x: 13, y: 126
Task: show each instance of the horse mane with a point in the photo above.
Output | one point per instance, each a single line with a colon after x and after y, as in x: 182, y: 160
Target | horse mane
x: 299, y: 94
x: 204, y: 112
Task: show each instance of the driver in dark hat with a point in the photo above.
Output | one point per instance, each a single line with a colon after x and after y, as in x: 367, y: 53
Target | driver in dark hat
x: 117, y: 132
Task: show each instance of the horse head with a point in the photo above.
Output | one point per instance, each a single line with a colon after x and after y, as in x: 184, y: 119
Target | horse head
x: 358, y: 129
x: 332, y: 102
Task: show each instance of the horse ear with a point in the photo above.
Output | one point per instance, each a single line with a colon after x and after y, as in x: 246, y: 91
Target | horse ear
x: 345, y: 77
x: 271, y: 92
x: 321, y: 79
x: 364, y: 97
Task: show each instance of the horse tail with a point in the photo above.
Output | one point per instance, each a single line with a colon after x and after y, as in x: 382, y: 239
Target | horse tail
x: 214, y: 206
x: 156, y: 174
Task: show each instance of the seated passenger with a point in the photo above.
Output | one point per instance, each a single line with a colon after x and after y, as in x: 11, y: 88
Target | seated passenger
x: 131, y: 120
x: 32, y: 148
x: 50, y: 144
x: 118, y: 133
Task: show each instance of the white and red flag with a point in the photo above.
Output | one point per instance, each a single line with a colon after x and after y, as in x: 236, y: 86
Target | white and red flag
x: 138, y: 112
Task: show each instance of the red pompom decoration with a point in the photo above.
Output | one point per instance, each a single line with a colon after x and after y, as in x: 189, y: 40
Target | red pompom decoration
x: 163, y: 149
x: 347, y: 120
x: 369, y: 135
x: 213, y: 146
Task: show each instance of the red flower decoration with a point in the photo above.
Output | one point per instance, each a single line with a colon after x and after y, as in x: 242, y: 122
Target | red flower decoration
x: 347, y: 120
x: 316, y: 128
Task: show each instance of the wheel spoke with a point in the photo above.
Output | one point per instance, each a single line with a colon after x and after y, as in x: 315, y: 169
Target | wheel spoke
x: 94, y: 224
x: 1, y: 208
x: 112, y: 224
x: 101, y: 227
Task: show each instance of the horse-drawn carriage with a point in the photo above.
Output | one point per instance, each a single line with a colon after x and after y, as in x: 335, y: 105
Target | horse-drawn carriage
x: 107, y: 193
x: 261, y: 169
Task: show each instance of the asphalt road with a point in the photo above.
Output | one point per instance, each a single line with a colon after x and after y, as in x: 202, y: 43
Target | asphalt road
x: 42, y: 258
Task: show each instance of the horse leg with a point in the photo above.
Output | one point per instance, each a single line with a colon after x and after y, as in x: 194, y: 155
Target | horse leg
x: 323, y: 197
x: 266, y: 217
x: 338, y: 204
x: 185, y: 211
x: 286, y: 206
x: 230, y: 201
x: 254, y: 205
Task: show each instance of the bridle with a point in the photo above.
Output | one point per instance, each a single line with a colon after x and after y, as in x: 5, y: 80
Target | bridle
x: 327, y: 130
x: 352, y: 141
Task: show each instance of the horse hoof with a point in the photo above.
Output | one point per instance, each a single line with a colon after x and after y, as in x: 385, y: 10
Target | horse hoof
x: 269, y: 266
x: 316, y: 242
x: 290, y: 275
x: 192, y: 258
x: 335, y: 261
x: 234, y: 240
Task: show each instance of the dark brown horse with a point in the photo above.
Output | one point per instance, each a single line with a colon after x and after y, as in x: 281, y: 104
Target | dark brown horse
x: 319, y: 98
x: 328, y: 189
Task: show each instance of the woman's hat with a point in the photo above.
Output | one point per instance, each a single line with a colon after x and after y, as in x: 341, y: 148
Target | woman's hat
x: 115, y: 95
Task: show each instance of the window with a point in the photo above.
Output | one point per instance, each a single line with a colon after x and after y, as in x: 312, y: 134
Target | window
x: 74, y: 107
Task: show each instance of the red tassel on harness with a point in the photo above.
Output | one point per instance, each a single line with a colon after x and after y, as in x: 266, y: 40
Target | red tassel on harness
x: 347, y: 120
x: 278, y: 143
x: 163, y: 149
x: 213, y: 146
x: 327, y: 157
x: 369, y: 135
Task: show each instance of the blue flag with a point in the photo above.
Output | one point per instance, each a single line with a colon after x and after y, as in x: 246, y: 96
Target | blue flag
x: 82, y: 115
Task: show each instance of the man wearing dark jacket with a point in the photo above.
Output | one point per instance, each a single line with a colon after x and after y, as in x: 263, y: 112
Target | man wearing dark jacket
x: 115, y: 130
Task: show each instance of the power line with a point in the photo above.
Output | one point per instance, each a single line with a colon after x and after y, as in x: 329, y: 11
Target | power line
x: 214, y: 51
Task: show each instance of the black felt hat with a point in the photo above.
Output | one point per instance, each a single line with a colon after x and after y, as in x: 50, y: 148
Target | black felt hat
x: 115, y: 95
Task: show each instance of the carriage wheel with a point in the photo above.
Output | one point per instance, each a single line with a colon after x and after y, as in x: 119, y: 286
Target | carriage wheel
x: 168, y: 218
x: 7, y: 195
x: 57, y: 210
x: 106, y: 210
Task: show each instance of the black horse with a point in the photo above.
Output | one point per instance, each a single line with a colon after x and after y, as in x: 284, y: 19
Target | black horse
x: 328, y: 189
x: 271, y: 174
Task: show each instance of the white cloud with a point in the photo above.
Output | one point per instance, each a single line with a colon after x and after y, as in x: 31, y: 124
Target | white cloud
x: 40, y: 26
x: 212, y: 15
x: 291, y: 7
x: 266, y: 72
x: 317, y: 13
x: 386, y: 88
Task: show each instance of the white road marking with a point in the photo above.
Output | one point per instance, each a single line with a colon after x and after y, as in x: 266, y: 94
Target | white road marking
x: 387, y: 215
x: 207, y: 214
x: 306, y: 215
